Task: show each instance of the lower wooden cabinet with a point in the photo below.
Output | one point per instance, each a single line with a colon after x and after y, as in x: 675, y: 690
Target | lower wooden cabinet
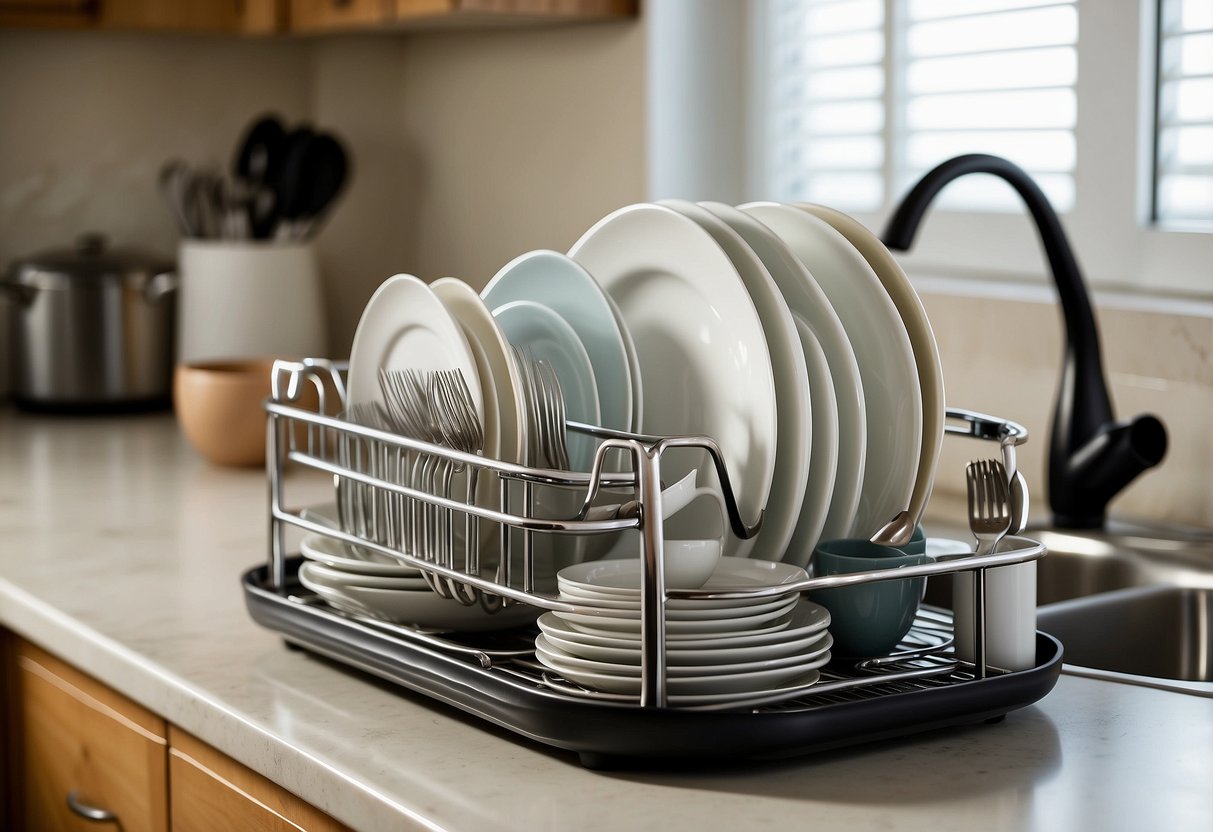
x: 75, y: 748
x: 84, y: 746
x: 210, y: 792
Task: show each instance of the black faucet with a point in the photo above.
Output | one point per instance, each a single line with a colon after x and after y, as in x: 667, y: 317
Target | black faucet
x: 1092, y: 456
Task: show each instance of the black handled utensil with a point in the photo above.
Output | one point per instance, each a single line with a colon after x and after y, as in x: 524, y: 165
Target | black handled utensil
x: 256, y: 166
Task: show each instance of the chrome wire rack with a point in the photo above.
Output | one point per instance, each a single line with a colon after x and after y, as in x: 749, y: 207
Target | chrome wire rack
x: 517, y: 524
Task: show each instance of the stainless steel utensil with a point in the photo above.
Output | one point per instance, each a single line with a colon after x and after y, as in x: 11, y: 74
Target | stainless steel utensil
x: 989, y: 504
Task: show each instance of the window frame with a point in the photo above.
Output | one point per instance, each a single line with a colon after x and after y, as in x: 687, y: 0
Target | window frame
x: 1111, y: 227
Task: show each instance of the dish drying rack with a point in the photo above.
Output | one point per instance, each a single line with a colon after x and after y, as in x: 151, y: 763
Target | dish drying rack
x: 495, y: 675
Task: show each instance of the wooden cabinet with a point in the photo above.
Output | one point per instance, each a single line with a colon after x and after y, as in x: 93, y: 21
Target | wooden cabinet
x: 50, y: 14
x: 304, y: 16
x: 330, y: 15
x: 235, y: 16
x: 68, y: 734
x: 212, y: 792
x: 81, y: 742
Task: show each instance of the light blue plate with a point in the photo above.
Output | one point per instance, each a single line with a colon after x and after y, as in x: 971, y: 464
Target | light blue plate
x: 567, y: 289
x: 550, y: 338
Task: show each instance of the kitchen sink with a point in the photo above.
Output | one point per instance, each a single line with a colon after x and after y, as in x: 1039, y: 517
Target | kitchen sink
x: 1130, y: 604
x: 1159, y: 635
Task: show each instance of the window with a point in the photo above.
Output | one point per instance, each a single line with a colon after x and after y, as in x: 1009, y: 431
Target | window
x: 1108, y: 105
x: 1183, y: 190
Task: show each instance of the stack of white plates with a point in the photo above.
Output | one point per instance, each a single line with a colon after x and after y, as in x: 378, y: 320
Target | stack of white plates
x: 365, y: 583
x: 717, y: 650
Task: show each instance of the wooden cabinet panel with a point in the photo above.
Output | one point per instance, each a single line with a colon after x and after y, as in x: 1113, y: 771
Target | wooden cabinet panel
x: 192, y: 15
x: 330, y: 15
x: 48, y: 13
x: 210, y: 792
x: 78, y: 736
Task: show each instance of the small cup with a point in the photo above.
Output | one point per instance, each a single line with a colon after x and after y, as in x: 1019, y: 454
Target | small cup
x: 1010, y: 616
x: 867, y: 619
x: 220, y: 407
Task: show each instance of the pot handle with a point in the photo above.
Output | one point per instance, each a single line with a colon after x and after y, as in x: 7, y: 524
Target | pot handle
x: 19, y: 292
x: 160, y: 286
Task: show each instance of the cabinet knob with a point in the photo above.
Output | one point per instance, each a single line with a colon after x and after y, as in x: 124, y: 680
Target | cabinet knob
x: 93, y: 813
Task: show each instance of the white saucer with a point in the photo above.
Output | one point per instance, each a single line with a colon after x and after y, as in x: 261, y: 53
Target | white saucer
x: 422, y: 608
x: 725, y: 684
x: 610, y: 624
x: 803, y: 659
x: 621, y: 578
x: 337, y: 555
x: 339, y: 579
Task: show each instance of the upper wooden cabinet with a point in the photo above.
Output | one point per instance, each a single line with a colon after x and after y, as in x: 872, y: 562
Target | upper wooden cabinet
x: 305, y: 16
x: 245, y: 16
x: 333, y: 15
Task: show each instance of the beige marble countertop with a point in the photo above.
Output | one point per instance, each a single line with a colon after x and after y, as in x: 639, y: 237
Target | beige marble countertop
x: 122, y: 553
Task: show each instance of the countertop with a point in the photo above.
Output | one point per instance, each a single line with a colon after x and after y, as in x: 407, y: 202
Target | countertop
x: 122, y: 554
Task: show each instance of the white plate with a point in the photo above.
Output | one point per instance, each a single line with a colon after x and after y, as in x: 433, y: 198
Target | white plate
x: 922, y: 339
x: 703, y: 354
x: 334, y: 553
x: 809, y: 303
x: 577, y: 595
x: 422, y: 609
x: 550, y: 338
x: 732, y: 683
x: 727, y: 701
x: 622, y: 577
x: 882, y: 348
x: 610, y: 624
x: 808, y: 620
x: 824, y: 464
x: 721, y: 611
x: 404, y: 326
x: 741, y: 658
x: 792, y: 396
x: 803, y: 659
x: 566, y: 288
x: 338, y: 579
x: 505, y: 423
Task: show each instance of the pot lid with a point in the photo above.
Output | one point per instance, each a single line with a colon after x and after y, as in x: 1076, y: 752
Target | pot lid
x: 91, y: 258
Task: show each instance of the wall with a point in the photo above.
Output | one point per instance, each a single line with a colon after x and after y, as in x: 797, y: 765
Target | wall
x: 1003, y: 354
x: 470, y: 148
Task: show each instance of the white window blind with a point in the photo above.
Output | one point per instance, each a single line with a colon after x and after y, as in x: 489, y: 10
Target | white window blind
x: 1183, y: 185
x: 867, y: 95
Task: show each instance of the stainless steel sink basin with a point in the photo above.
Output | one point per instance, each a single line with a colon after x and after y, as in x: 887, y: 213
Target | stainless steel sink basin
x: 1160, y: 636
x: 1131, y: 604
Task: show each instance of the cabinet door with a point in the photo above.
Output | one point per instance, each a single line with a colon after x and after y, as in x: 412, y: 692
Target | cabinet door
x: 191, y: 15
x: 53, y: 14
x: 211, y: 792
x: 80, y: 739
x: 330, y: 15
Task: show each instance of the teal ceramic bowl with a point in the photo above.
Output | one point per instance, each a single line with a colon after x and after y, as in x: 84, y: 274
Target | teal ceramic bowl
x: 867, y: 619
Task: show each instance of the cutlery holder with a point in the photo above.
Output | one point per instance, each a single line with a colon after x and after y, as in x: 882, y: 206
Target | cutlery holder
x: 921, y: 684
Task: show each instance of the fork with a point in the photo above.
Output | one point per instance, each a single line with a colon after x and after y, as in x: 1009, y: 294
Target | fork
x: 989, y: 503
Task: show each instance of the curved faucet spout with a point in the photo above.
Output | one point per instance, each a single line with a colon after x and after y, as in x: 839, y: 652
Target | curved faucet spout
x: 1087, y: 466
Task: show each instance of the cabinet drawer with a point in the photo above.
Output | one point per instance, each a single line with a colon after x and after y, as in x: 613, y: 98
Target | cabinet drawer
x: 211, y: 791
x: 78, y: 737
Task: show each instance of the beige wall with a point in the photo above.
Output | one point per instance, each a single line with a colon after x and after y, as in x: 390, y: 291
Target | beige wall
x: 470, y: 148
